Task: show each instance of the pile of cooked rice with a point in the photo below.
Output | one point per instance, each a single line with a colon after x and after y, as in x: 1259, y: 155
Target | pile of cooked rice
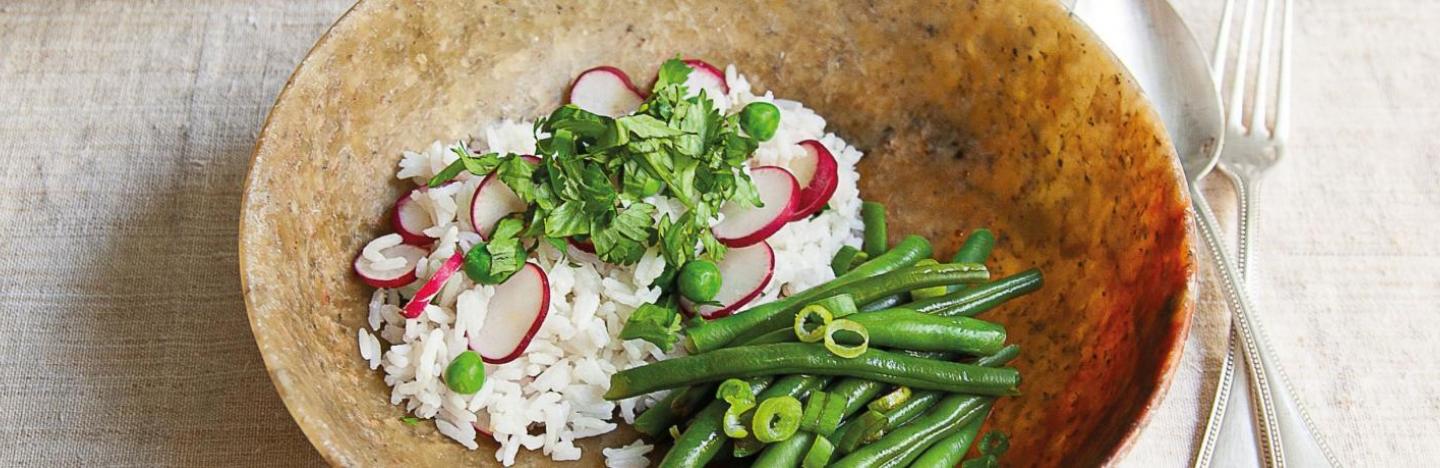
x: 551, y: 395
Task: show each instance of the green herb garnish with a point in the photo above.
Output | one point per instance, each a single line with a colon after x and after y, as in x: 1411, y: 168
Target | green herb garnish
x: 656, y: 324
x: 597, y: 174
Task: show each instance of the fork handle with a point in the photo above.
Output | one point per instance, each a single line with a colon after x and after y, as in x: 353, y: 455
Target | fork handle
x: 1287, y: 435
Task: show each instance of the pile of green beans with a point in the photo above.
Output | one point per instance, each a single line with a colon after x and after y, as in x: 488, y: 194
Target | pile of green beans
x: 917, y: 346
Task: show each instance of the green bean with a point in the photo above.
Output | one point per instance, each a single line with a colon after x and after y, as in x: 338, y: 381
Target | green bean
x: 855, y: 392
x: 976, y: 249
x: 851, y: 433
x: 715, y: 334
x: 704, y: 438
x: 922, y: 400
x: 948, y: 452
x: 908, y: 329
x: 974, y: 300
x: 902, y: 445
x: 801, y: 358
x: 846, y: 258
x: 886, y: 302
x: 708, y: 425
x: 876, y: 233
x: 657, y: 420
x: 863, y: 291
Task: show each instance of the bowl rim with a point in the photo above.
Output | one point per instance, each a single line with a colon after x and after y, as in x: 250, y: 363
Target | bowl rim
x: 318, y: 439
x: 1179, y: 332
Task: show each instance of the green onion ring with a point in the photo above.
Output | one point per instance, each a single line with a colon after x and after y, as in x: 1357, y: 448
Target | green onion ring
x: 776, y: 419
x: 818, y: 333
x: 819, y: 454
x: 814, y: 406
x: 846, y: 351
x: 891, y: 400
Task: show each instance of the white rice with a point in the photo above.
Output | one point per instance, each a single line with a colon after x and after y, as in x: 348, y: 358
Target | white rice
x: 551, y: 395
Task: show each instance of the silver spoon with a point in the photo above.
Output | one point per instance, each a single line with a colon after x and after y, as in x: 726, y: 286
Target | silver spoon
x: 1152, y: 41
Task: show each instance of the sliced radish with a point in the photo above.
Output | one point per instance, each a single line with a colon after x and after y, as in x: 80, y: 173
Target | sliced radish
x: 494, y: 200
x: 746, y: 224
x: 744, y: 273
x: 705, y: 76
x: 410, y: 219
x: 432, y: 286
x: 482, y: 424
x: 816, y: 174
x: 582, y: 245
x: 606, y: 91
x: 394, y: 277
x: 516, y: 311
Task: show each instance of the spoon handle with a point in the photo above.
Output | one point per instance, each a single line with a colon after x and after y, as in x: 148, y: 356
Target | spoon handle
x: 1284, y: 427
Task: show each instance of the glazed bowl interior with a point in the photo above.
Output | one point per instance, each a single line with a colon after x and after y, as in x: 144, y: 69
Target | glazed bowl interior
x: 1007, y: 115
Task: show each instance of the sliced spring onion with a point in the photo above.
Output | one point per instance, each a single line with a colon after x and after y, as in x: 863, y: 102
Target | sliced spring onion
x: 807, y: 317
x: 674, y: 432
x: 838, y: 305
x: 733, y: 424
x: 741, y: 398
x: 735, y: 390
x: 776, y: 419
x: 891, y: 400
x: 814, y: 406
x: 933, y: 291
x: 819, y: 454
x: 867, y: 426
x: 844, y: 350
x: 994, y: 443
x: 831, y: 415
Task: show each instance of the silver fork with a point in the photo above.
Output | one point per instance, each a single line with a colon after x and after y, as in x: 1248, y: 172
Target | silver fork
x: 1287, y: 434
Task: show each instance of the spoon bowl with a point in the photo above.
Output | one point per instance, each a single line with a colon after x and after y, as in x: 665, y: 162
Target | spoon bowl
x: 1162, y: 54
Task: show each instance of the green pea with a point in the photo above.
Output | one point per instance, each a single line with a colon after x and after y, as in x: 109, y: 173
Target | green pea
x: 760, y: 119
x: 699, y: 280
x: 466, y: 374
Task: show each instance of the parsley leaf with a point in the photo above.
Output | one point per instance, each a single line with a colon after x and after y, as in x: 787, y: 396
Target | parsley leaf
x: 672, y: 72
x: 495, y: 261
x: 479, y: 165
x: 622, y: 239
x: 653, y: 323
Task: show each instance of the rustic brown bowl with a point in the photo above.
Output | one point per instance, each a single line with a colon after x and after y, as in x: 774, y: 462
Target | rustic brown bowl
x: 1006, y: 114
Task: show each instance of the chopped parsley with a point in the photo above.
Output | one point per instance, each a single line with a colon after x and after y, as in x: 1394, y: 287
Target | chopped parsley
x: 654, y: 323
x: 597, y: 173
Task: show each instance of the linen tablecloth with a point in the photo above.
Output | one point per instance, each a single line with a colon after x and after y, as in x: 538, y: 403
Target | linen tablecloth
x: 126, y: 129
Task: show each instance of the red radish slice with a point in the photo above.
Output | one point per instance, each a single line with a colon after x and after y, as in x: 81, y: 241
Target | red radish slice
x: 705, y: 76
x: 494, y: 200
x: 606, y: 91
x: 392, y: 278
x: 816, y: 174
x: 410, y: 219
x: 516, y: 311
x: 745, y: 224
x: 482, y: 424
x: 744, y: 273
x: 583, y: 245
x: 432, y: 286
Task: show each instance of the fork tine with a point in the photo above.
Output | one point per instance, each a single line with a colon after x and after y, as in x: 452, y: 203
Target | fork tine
x: 1282, y: 100
x: 1238, y: 83
x: 1222, y: 46
x: 1259, y: 118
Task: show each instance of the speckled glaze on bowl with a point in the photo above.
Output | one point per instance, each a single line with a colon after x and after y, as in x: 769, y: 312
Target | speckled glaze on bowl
x: 1005, y: 114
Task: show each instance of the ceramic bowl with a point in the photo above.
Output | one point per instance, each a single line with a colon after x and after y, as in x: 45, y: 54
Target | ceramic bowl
x: 1000, y: 114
